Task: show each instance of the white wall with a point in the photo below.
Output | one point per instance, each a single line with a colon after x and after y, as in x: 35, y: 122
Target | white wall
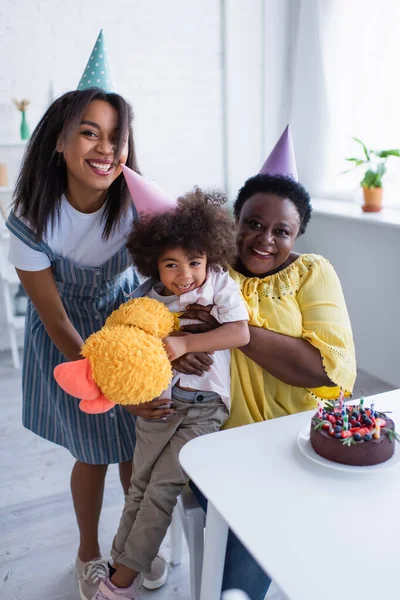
x: 365, y: 256
x: 258, y: 46
x: 211, y: 97
x: 166, y: 59
x: 205, y: 79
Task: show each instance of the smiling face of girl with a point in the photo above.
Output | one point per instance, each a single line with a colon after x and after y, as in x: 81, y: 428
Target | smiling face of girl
x: 268, y: 226
x: 181, y: 272
x: 89, y: 153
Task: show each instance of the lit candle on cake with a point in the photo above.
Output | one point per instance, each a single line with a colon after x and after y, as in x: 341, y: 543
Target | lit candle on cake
x: 341, y: 400
x: 319, y: 409
x: 345, y: 422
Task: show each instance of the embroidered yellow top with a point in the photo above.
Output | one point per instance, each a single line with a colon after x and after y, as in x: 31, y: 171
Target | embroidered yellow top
x: 305, y: 300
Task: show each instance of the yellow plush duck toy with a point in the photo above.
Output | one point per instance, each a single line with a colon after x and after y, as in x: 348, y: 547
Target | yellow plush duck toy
x: 125, y: 362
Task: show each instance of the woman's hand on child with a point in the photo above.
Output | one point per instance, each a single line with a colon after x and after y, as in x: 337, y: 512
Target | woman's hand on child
x: 151, y: 410
x: 193, y: 363
x: 200, y: 313
x: 196, y: 363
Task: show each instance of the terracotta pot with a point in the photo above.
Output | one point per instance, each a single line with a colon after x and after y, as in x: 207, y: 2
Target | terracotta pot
x: 3, y: 174
x: 372, y: 199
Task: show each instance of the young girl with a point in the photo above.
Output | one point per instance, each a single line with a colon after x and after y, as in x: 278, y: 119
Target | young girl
x: 71, y: 216
x: 186, y: 250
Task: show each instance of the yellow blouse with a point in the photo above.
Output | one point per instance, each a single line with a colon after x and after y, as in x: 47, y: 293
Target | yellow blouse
x: 305, y: 300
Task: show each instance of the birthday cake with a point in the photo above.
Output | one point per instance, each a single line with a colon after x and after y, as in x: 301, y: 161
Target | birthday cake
x: 352, y: 434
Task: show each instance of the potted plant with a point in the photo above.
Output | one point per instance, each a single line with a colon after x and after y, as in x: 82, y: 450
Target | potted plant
x: 374, y: 164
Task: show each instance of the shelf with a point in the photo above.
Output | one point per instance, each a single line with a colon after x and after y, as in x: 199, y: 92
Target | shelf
x: 15, y: 144
x: 387, y: 217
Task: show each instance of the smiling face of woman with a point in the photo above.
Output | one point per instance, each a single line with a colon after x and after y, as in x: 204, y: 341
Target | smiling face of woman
x: 268, y: 226
x: 89, y: 152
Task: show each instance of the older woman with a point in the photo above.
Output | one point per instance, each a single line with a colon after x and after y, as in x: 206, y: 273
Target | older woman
x: 301, y: 346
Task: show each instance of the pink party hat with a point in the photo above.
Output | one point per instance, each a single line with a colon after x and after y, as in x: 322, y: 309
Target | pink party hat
x: 282, y: 160
x: 146, y: 195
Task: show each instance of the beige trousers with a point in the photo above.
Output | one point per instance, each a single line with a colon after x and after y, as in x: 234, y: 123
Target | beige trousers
x: 158, y: 478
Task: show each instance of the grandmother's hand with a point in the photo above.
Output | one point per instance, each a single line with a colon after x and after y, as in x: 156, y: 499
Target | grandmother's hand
x: 200, y: 313
x: 194, y: 363
x: 152, y: 410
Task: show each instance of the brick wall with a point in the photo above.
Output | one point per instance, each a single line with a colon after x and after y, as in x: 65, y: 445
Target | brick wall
x: 167, y: 61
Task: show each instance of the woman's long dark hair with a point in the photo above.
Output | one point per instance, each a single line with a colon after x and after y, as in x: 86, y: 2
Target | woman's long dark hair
x: 43, y: 176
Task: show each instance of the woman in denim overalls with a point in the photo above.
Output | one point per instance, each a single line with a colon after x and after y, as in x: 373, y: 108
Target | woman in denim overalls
x: 72, y: 163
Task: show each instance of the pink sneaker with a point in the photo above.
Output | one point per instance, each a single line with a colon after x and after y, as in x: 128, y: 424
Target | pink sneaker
x: 108, y: 591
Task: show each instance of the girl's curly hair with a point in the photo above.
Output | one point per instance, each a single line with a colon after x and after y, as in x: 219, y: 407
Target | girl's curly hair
x: 199, y: 225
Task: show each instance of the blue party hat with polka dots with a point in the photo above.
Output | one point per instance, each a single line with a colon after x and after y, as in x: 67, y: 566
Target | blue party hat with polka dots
x: 98, y: 72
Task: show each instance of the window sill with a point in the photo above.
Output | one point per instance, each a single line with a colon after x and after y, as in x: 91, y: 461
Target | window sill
x: 388, y: 217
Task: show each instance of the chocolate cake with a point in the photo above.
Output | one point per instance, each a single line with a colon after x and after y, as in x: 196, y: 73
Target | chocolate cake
x: 353, y: 435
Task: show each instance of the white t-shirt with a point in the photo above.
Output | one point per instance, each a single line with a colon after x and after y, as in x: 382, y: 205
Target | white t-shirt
x: 76, y: 236
x: 224, y: 293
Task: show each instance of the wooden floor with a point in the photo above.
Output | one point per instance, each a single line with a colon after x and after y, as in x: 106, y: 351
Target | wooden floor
x: 38, y: 534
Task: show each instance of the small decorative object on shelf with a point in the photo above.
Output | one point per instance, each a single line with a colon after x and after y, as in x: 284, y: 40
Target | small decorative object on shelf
x: 374, y: 164
x: 24, y: 129
x: 20, y: 302
x: 3, y: 175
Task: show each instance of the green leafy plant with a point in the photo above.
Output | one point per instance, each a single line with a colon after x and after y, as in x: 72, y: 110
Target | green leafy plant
x: 320, y: 423
x: 382, y: 415
x: 392, y: 435
x: 350, y: 441
x: 374, y: 163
